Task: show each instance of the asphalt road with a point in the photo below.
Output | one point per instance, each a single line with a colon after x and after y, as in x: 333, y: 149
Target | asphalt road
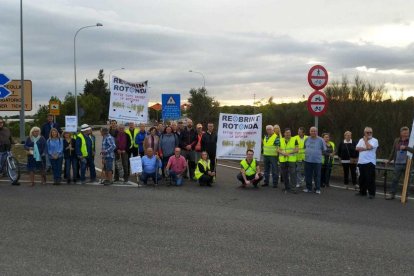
x: 192, y: 230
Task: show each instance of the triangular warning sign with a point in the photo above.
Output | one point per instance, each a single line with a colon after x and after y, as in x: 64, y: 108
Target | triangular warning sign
x: 171, y: 101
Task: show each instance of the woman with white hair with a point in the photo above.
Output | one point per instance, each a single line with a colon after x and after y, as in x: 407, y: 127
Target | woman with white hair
x: 35, y: 146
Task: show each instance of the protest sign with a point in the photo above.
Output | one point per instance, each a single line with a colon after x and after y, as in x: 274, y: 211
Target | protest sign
x: 71, y: 123
x: 136, y: 164
x: 238, y: 133
x: 129, y: 101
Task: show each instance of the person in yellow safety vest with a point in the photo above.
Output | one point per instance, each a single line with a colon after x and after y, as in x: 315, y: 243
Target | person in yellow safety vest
x: 300, y: 157
x: 327, y: 160
x: 203, y: 172
x: 132, y: 133
x: 84, y: 151
x: 249, y: 171
x: 270, y: 144
x: 288, y: 150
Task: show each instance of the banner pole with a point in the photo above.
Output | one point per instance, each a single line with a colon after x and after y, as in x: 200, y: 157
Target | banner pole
x: 406, y: 179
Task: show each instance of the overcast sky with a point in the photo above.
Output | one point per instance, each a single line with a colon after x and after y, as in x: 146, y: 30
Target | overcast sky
x: 262, y: 47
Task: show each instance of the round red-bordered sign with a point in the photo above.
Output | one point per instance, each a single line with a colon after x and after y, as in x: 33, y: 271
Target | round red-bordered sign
x: 317, y: 103
x: 318, y: 77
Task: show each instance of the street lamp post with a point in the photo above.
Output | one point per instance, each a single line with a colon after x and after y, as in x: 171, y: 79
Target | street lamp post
x: 204, y: 79
x: 74, y: 64
x: 109, y: 77
x: 23, y: 106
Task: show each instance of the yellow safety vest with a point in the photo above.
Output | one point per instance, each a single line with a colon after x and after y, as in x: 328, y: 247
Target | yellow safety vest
x: 132, y: 137
x: 84, y: 149
x: 333, y: 150
x: 249, y: 169
x: 288, y: 147
x: 206, y: 166
x: 300, y: 156
x: 269, y: 148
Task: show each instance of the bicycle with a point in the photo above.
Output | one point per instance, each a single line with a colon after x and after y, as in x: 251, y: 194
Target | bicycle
x: 12, y: 167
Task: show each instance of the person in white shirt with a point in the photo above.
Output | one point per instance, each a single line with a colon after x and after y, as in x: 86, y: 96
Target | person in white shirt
x: 367, y: 148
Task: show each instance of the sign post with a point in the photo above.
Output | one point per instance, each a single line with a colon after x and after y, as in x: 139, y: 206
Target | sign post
x: 317, y: 101
x: 171, y: 106
x: 54, y: 108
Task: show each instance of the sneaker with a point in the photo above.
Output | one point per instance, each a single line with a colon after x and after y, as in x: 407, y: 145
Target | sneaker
x: 83, y: 182
x: 297, y: 185
x: 265, y: 185
x: 307, y: 190
x: 318, y: 192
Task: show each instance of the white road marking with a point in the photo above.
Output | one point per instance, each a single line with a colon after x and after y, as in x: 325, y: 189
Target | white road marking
x: 335, y: 186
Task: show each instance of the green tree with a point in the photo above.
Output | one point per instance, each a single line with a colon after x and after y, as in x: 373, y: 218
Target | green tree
x: 91, y: 106
x: 99, y: 88
x: 203, y: 108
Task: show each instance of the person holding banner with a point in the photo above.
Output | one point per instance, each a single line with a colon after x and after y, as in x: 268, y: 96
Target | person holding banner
x: 203, y: 172
x: 367, y: 147
x: 249, y: 171
x: 209, y: 144
x: 287, y: 158
x: 132, y: 132
x: 150, y: 165
x: 271, y: 142
x: 399, y: 157
x: 188, y: 141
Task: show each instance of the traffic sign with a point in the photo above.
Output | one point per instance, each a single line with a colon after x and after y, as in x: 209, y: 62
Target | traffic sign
x: 318, y: 77
x: 317, y: 103
x: 54, y: 108
x: 14, y: 100
x: 171, y: 108
x: 4, y: 92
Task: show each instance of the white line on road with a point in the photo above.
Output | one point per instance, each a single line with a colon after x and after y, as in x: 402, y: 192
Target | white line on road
x: 335, y: 186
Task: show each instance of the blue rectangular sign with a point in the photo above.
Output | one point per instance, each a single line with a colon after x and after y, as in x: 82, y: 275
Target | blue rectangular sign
x: 171, y: 106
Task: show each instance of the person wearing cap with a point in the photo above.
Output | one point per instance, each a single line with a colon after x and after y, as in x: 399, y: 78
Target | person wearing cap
x: 84, y: 151
x: 132, y: 132
x: 108, y: 154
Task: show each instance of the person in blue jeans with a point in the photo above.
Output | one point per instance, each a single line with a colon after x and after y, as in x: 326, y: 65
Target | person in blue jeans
x: 55, y: 153
x: 150, y: 166
x: 85, y: 151
x: 314, y: 149
x: 69, y: 154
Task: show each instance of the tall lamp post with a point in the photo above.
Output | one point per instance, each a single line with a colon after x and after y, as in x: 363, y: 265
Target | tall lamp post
x: 109, y: 77
x: 204, y: 79
x: 23, y: 106
x: 74, y: 64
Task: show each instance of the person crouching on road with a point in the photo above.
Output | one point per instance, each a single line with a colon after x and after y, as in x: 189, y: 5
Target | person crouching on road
x: 203, y: 172
x: 250, y: 171
x: 288, y: 149
x: 55, y: 152
x: 150, y: 165
x: 176, y: 167
x: 35, y: 146
x: 108, y: 155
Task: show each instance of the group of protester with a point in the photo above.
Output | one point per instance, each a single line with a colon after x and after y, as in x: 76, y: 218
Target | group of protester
x: 308, y: 160
x: 181, y: 152
x: 187, y: 152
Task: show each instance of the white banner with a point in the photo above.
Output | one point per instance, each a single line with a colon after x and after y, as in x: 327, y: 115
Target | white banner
x: 238, y: 133
x: 411, y: 142
x: 136, y: 164
x: 129, y: 101
x: 71, y: 123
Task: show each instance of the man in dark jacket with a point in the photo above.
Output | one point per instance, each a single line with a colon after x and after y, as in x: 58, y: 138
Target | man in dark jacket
x: 45, y: 131
x: 209, y: 144
x: 123, y: 145
x: 188, y: 141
